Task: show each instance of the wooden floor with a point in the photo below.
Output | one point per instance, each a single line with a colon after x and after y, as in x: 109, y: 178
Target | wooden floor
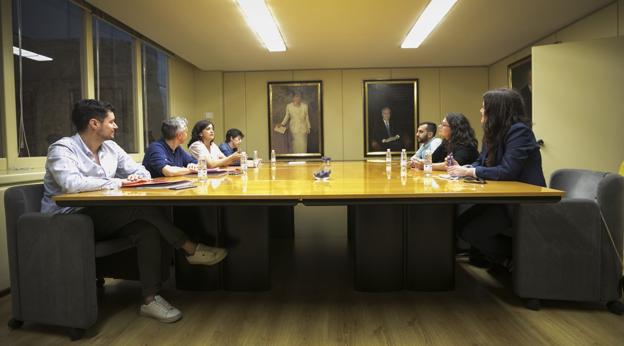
x: 312, y: 303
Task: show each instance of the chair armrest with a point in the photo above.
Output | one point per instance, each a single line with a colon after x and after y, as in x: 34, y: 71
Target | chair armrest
x: 575, y: 222
x: 57, y: 231
x: 55, y: 268
x: 554, y: 245
x: 579, y: 212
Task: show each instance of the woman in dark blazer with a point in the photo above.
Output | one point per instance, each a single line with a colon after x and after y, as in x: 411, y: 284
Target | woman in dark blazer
x: 509, y: 152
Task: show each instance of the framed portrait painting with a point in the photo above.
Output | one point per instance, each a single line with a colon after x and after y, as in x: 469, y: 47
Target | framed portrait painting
x: 296, y: 118
x: 520, y: 78
x: 390, y: 116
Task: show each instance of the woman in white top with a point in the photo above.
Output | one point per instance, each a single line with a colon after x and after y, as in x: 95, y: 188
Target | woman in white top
x: 202, y: 145
x: 298, y: 122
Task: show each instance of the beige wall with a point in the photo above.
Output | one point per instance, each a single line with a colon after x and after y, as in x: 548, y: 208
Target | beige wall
x: 209, y: 99
x: 577, y: 98
x: 196, y: 94
x: 601, y: 24
x: 440, y: 90
x: 182, y: 88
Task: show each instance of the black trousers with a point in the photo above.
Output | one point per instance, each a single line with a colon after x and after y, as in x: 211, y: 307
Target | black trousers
x: 144, y: 226
x: 487, y: 228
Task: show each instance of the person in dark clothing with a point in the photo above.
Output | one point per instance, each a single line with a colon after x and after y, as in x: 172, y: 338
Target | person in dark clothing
x: 385, y: 133
x: 458, y: 138
x: 509, y: 152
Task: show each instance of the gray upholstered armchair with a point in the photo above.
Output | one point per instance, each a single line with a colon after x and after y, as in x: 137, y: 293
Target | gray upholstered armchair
x: 55, y: 263
x: 572, y: 250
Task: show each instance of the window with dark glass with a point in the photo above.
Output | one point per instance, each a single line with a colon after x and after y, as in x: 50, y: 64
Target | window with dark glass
x: 114, y: 77
x: 46, y: 50
x: 155, y: 91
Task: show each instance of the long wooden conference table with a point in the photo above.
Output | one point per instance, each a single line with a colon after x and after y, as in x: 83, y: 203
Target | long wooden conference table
x: 400, y: 225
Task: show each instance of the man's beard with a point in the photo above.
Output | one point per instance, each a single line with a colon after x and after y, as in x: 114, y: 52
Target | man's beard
x: 109, y: 137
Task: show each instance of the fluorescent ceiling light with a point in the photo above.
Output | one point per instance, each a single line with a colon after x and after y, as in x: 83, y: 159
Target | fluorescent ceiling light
x: 262, y: 22
x: 429, y: 19
x: 30, y: 55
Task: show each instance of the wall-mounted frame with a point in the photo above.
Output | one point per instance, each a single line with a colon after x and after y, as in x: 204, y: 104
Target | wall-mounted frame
x: 390, y: 116
x: 296, y: 118
x: 519, y: 77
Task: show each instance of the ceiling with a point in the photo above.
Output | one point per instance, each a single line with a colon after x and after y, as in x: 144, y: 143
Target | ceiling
x: 213, y: 35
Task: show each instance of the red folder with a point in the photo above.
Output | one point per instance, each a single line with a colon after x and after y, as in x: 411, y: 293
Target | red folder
x: 154, y: 183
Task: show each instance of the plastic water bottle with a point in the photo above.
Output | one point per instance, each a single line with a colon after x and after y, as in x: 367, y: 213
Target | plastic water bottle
x: 427, y: 167
x: 403, y: 163
x: 255, y: 158
x: 202, y: 169
x: 388, y: 157
x: 243, y: 162
x: 403, y: 158
x: 273, y: 157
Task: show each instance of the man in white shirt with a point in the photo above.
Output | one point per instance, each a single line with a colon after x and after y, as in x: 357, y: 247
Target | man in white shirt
x: 427, y: 140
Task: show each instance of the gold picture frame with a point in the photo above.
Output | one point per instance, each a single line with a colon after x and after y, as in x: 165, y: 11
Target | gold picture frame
x: 296, y: 119
x: 396, y: 101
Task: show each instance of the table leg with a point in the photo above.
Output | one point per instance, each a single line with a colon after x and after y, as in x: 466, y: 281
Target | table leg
x: 350, y: 222
x: 246, y: 233
x: 378, y: 247
x: 430, y: 254
x: 282, y: 221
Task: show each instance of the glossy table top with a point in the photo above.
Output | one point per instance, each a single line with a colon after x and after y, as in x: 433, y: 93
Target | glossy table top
x: 350, y: 180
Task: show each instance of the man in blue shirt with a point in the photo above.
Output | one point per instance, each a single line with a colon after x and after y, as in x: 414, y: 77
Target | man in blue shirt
x: 91, y: 160
x: 426, y: 137
x: 233, y: 140
x: 165, y: 157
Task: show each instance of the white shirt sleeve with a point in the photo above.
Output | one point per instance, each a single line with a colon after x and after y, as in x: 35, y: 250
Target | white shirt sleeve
x: 215, y: 152
x: 198, y: 149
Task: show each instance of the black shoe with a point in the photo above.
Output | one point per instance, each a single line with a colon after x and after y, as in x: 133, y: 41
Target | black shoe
x: 505, y: 264
x: 478, y: 259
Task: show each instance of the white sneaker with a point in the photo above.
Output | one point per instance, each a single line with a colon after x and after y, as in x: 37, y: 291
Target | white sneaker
x: 207, y: 255
x: 160, y: 310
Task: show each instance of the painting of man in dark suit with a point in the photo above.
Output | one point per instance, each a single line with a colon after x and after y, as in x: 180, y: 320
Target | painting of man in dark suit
x: 390, y: 116
x: 385, y: 135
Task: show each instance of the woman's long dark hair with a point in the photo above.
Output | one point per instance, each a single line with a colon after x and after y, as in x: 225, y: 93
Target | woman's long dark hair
x: 462, y: 133
x: 197, y: 130
x: 502, y: 108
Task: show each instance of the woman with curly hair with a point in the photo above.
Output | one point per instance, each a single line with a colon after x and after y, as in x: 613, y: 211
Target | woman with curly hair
x: 458, y: 138
x: 510, y: 152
